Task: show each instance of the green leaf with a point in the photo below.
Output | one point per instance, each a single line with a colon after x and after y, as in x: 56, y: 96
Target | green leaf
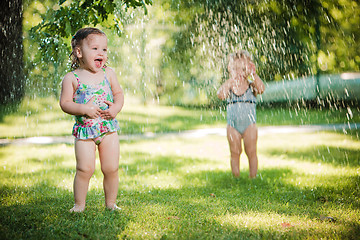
x: 68, y: 29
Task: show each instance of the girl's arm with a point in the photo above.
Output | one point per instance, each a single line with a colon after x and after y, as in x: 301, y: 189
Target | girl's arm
x: 257, y: 85
x: 116, y: 106
x: 69, y: 106
x: 224, y: 89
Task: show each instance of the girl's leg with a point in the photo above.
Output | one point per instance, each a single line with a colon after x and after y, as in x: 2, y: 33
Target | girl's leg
x: 85, y: 167
x: 234, y: 139
x: 109, y: 158
x: 250, y: 140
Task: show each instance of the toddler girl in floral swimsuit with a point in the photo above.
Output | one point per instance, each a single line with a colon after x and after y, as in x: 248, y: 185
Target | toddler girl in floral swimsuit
x: 93, y: 95
x: 95, y: 129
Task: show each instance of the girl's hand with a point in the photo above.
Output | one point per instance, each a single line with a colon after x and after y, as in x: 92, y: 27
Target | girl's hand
x: 252, y: 67
x: 253, y: 89
x: 92, y: 111
x: 109, y: 113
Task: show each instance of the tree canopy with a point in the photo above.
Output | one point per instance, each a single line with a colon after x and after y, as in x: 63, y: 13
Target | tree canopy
x: 179, y: 50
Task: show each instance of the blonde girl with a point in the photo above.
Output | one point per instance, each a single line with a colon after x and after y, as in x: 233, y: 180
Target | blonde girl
x: 240, y: 94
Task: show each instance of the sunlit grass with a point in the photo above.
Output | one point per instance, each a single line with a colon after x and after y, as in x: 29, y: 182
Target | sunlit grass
x: 43, y: 117
x: 180, y: 188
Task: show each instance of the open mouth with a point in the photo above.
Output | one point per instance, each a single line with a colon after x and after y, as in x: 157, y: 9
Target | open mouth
x: 98, y: 62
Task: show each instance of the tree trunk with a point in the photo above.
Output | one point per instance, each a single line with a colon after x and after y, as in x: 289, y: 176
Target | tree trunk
x: 12, y: 81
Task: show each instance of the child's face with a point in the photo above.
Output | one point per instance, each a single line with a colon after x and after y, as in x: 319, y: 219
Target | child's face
x: 92, y: 52
x: 242, y: 66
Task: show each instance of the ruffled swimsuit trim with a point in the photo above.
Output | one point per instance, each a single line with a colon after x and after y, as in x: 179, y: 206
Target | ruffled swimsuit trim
x: 81, y: 132
x: 86, y: 128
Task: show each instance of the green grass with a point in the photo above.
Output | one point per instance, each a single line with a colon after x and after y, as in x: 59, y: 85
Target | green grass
x: 179, y: 187
x: 182, y: 188
x: 43, y: 117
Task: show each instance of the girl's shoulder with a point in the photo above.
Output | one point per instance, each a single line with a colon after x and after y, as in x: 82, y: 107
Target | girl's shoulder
x: 109, y: 71
x: 69, y: 78
x: 69, y: 75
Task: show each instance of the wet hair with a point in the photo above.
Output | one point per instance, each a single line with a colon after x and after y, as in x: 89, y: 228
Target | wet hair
x: 237, y: 55
x: 76, y: 40
x: 241, y: 54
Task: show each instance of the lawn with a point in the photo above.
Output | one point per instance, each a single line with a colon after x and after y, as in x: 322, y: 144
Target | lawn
x: 43, y: 117
x: 182, y: 188
x: 177, y: 187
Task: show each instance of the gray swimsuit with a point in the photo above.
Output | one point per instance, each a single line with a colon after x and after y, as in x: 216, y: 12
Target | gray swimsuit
x: 241, y: 110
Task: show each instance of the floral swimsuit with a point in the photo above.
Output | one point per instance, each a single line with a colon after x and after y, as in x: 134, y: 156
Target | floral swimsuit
x: 96, y: 129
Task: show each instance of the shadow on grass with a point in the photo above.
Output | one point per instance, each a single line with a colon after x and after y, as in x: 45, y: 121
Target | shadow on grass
x: 146, y: 163
x: 32, y: 107
x: 207, y: 195
x: 198, y: 209
x: 337, y: 156
x: 140, y: 122
x: 42, y: 212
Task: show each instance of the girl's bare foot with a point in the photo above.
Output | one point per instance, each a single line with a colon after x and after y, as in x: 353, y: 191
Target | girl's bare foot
x: 77, y: 208
x: 114, y: 208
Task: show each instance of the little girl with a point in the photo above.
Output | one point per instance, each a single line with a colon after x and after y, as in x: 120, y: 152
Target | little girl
x: 241, y: 109
x: 93, y: 95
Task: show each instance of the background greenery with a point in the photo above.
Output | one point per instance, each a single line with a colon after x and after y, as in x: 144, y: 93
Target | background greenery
x: 176, y: 53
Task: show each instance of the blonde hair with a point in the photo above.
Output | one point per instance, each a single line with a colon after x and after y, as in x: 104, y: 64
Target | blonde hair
x: 76, y: 40
x: 237, y: 55
x: 240, y: 54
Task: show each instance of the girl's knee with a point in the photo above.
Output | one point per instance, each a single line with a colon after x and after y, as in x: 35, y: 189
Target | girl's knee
x: 85, y: 171
x: 250, y: 149
x: 235, y: 153
x: 250, y: 152
x: 109, y: 170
